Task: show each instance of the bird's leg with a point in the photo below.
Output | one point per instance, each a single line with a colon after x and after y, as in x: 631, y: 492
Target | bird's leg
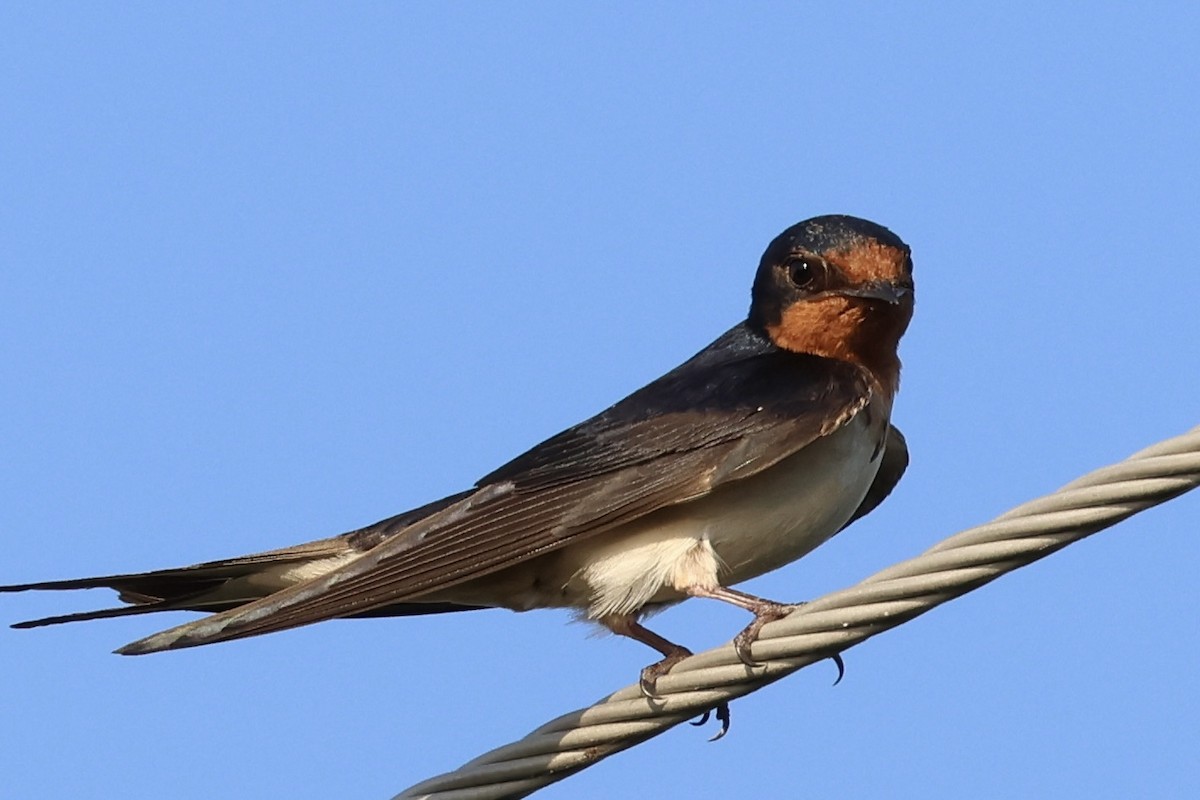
x: 627, y: 625
x: 764, y: 611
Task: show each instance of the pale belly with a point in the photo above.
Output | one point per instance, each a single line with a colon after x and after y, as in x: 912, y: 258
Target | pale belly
x: 738, y: 532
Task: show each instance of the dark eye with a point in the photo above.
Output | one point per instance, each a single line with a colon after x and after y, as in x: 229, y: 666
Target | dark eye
x: 803, y: 272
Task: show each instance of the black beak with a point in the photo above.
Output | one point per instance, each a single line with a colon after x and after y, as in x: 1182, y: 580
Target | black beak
x: 882, y: 291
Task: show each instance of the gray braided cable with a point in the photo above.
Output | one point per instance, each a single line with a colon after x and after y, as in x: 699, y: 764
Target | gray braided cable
x: 829, y: 625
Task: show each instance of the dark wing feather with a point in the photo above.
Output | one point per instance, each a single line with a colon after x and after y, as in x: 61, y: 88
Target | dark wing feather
x: 895, y: 462
x: 737, y: 386
x: 214, y: 586
x: 736, y: 408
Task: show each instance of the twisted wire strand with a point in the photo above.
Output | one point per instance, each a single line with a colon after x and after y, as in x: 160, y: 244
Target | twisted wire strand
x: 828, y: 625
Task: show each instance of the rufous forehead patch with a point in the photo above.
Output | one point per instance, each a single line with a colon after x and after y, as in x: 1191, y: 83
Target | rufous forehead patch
x: 869, y: 261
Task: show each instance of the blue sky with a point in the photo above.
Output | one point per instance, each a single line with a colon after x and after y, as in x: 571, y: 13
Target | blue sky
x: 274, y: 272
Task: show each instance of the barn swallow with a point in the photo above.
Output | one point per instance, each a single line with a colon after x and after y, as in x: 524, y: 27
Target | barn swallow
x: 744, y: 458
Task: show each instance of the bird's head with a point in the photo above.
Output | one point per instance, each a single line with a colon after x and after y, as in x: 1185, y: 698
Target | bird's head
x: 838, y: 287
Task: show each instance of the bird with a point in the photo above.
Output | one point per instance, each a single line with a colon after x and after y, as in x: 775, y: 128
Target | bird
x: 744, y: 458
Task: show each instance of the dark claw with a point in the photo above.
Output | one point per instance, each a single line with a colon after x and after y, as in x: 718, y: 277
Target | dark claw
x: 646, y: 684
x: 652, y: 673
x: 767, y: 611
x: 722, y: 712
x: 722, y: 717
x: 741, y: 646
x: 841, y: 667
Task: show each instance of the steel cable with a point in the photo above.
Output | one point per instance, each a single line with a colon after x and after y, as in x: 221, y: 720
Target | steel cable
x: 829, y: 625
